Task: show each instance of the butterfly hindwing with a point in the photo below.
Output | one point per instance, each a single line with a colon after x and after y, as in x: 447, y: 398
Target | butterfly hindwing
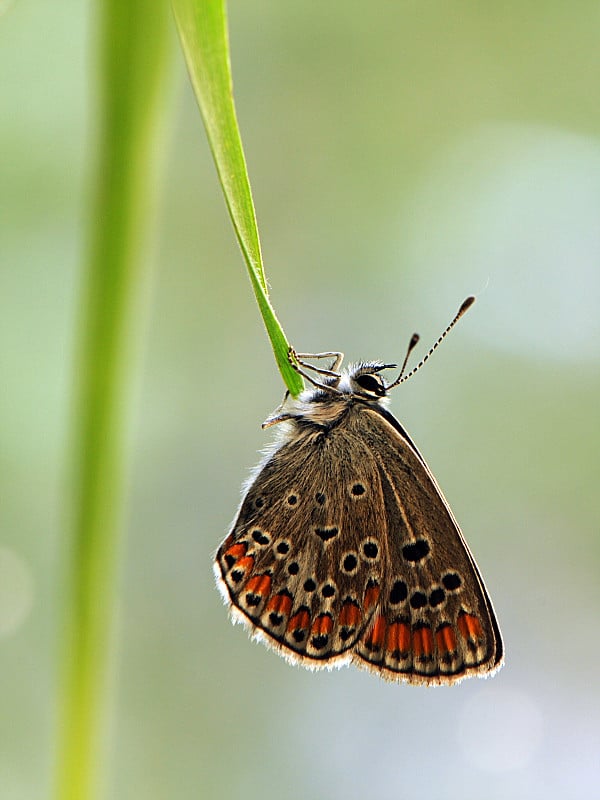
x: 304, y: 560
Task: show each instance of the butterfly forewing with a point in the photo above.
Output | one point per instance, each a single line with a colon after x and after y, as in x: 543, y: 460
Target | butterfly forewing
x: 435, y: 623
x: 305, y: 557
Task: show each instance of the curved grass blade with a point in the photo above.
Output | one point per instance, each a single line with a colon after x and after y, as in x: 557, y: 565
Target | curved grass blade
x: 203, y: 31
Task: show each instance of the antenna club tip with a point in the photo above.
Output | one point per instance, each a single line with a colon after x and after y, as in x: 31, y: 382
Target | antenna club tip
x: 414, y: 340
x: 466, y: 305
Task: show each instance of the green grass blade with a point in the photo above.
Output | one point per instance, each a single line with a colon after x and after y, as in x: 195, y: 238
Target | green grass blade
x: 203, y: 32
x: 134, y: 56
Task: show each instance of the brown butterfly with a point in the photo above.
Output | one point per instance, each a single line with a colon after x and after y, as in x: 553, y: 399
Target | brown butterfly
x: 344, y: 548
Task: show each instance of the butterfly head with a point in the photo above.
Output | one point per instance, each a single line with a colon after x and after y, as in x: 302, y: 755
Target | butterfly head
x: 365, y: 380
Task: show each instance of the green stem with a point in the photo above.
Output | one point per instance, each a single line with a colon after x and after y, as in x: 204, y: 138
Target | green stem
x: 134, y: 57
x: 203, y: 31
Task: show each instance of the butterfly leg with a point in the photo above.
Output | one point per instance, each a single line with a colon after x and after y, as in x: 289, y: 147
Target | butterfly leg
x: 279, y: 415
x: 333, y: 370
x: 297, y: 364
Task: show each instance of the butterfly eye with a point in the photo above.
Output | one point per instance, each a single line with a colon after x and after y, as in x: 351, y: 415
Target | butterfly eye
x: 372, y: 384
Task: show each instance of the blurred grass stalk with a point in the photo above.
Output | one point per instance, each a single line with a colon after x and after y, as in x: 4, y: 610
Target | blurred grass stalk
x: 202, y: 28
x: 134, y: 50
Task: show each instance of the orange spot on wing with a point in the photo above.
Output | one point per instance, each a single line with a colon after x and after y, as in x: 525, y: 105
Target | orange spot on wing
x: 299, y: 620
x: 322, y: 625
x: 446, y: 640
x: 398, y: 638
x: 260, y: 585
x: 469, y: 626
x: 376, y: 636
x: 245, y: 564
x: 372, y: 593
x: 280, y: 604
x: 349, y: 615
x: 422, y: 639
x: 236, y: 551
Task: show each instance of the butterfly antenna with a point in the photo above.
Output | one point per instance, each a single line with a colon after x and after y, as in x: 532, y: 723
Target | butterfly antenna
x: 414, y: 339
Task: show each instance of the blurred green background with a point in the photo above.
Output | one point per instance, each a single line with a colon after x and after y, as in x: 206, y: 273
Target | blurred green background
x: 401, y: 158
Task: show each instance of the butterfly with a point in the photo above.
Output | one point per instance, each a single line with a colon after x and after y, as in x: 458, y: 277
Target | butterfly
x: 344, y: 548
